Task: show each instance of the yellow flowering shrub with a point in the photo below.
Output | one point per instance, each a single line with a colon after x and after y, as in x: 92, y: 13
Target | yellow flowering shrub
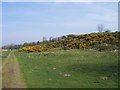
x: 76, y: 42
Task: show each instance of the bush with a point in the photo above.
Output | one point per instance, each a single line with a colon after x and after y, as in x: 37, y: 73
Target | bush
x: 66, y: 48
x: 105, y: 47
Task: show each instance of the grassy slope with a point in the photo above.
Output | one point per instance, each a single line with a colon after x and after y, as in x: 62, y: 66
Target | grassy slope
x: 86, y: 68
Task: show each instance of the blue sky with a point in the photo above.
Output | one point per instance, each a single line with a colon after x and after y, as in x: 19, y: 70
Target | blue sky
x: 27, y: 22
x: 0, y: 24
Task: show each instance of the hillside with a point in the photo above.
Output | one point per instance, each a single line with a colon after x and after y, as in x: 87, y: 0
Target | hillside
x: 99, y: 41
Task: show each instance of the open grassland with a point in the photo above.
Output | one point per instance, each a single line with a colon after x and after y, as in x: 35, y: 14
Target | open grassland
x: 69, y: 69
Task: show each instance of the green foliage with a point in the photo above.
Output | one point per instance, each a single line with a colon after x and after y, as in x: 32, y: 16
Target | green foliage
x: 95, y: 40
x: 106, y: 47
x: 69, y: 69
x: 66, y: 48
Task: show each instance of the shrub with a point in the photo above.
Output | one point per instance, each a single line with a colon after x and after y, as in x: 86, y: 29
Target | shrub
x: 66, y: 48
x: 105, y: 47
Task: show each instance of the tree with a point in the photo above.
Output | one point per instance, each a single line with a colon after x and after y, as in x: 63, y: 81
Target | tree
x: 63, y: 37
x: 70, y: 35
x: 25, y: 44
x: 107, y: 30
x: 38, y: 42
x: 50, y: 39
x: 45, y: 41
x: 101, y: 27
x: 33, y: 43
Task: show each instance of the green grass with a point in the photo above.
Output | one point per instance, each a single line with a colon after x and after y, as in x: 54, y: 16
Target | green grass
x: 85, y: 67
x: 4, y: 55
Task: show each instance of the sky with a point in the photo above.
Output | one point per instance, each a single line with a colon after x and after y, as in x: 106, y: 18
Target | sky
x: 0, y: 24
x: 60, y: 0
x: 31, y: 21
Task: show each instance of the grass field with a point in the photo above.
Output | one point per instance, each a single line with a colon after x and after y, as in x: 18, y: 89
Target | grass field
x: 4, y: 55
x: 69, y: 69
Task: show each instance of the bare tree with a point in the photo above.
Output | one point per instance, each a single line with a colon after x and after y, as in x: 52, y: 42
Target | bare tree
x: 38, y: 42
x: 101, y: 27
x: 44, y: 39
x: 50, y: 39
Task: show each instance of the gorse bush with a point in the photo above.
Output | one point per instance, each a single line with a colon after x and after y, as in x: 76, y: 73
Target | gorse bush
x: 105, y: 47
x: 66, y: 48
x: 98, y: 41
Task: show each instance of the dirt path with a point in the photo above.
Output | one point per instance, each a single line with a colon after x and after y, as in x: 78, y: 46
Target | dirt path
x: 11, y: 76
